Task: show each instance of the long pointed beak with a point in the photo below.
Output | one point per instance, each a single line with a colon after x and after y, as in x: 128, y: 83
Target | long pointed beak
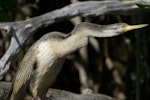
x: 132, y: 27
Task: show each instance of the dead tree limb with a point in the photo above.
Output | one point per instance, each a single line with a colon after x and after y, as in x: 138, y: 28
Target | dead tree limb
x: 64, y: 95
x: 22, y: 30
x: 56, y: 94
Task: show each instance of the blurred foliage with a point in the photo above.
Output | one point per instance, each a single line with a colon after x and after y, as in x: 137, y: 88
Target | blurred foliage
x: 5, y: 7
x: 4, y: 16
x: 8, y: 3
x: 143, y: 5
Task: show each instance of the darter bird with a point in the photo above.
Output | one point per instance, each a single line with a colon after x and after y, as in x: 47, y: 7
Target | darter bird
x: 44, y: 60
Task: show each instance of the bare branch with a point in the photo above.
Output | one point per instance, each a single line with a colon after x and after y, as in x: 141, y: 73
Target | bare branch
x: 56, y: 94
x: 22, y: 30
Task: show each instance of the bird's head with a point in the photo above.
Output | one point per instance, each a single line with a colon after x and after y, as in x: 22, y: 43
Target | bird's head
x: 119, y: 28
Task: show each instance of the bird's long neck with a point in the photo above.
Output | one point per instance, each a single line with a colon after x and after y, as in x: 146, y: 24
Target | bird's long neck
x: 73, y: 43
x: 79, y: 37
x: 90, y: 29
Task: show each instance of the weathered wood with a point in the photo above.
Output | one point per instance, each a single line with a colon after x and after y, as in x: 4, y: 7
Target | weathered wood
x: 56, y: 94
x: 22, y: 30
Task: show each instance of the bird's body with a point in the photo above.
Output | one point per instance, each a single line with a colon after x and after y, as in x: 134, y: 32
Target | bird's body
x: 44, y: 60
x: 39, y: 70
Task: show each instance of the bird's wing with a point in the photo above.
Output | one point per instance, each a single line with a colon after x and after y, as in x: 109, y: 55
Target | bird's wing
x: 24, y: 72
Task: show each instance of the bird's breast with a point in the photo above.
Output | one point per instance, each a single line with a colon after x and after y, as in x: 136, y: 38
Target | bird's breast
x: 48, y: 67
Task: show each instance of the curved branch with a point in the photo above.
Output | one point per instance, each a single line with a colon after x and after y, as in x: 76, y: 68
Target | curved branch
x: 22, y: 30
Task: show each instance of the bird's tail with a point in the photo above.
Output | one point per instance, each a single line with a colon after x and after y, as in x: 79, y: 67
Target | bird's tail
x: 20, y: 94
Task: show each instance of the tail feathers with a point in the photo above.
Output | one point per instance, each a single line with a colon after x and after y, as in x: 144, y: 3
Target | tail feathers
x: 20, y: 94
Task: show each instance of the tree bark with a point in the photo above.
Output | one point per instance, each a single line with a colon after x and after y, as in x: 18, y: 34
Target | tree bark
x: 22, y: 30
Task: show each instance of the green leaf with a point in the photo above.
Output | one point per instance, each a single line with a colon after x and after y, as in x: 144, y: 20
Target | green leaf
x: 143, y: 6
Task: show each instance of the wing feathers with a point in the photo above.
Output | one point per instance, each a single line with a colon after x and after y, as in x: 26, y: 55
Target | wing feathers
x: 24, y: 72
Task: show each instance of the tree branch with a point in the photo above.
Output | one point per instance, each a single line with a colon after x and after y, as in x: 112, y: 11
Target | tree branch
x: 22, y: 30
x: 56, y: 94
